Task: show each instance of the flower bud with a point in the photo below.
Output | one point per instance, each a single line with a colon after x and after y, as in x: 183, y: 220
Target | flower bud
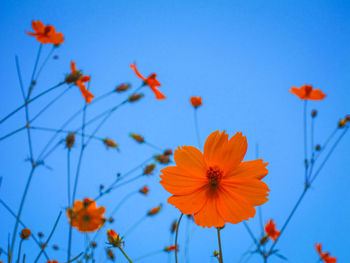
x: 25, y: 233
x: 114, y: 239
x: 171, y: 248
x: 168, y: 152
x: 111, y: 220
x: 144, y: 190
x: 149, y: 169
x: 122, y: 87
x: 264, y: 239
x: 137, y: 137
x: 342, y: 123
x: 318, y: 147
x: 110, y: 254
x: 196, y: 101
x: 93, y: 244
x: 110, y: 143
x: 173, y: 227
x: 135, y: 97
x: 73, y: 77
x: 70, y: 140
x: 216, y: 253
x: 314, y: 113
x: 154, y: 210
x: 40, y: 234
x: 55, y: 247
x: 162, y: 159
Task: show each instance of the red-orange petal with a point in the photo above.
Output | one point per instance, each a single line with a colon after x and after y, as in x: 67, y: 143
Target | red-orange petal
x: 88, y: 96
x: 317, y: 94
x: 72, y: 66
x: 250, y: 169
x: 38, y: 26
x: 133, y: 66
x: 159, y: 95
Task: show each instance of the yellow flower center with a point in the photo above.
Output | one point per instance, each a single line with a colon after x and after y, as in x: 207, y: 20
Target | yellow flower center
x: 214, y: 175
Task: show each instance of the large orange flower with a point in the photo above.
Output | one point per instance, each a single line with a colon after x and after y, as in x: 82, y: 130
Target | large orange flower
x: 79, y: 79
x: 326, y: 257
x: 46, y: 34
x: 307, y: 92
x: 216, y: 186
x: 271, y: 231
x: 86, y: 216
x: 151, y: 81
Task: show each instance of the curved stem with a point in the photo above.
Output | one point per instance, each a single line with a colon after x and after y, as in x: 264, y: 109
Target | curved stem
x: 176, y: 235
x: 305, y: 141
x: 19, y: 250
x: 68, y: 177
x: 219, y: 241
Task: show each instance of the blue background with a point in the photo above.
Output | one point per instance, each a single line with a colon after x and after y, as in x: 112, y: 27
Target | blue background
x: 242, y: 57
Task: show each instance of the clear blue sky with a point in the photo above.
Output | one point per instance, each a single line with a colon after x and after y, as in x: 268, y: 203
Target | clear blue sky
x: 240, y: 56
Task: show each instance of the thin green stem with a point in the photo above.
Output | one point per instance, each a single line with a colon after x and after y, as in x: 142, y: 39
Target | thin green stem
x: 34, y: 71
x: 68, y: 177
x: 125, y: 255
x: 176, y: 235
x: 45, y: 61
x: 219, y: 241
x: 19, y: 250
x: 305, y: 142
x: 149, y: 254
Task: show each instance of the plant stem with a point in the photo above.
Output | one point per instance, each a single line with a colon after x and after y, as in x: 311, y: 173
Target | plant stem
x: 197, y: 128
x: 176, y: 235
x: 220, y: 249
x: 19, y: 250
x: 125, y: 255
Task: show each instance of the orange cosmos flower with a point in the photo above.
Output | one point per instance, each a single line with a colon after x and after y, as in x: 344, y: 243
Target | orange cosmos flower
x: 307, y: 92
x: 85, y: 216
x: 76, y: 77
x: 150, y: 81
x: 216, y: 186
x: 46, y: 34
x: 270, y: 230
x: 325, y: 256
x: 196, y: 101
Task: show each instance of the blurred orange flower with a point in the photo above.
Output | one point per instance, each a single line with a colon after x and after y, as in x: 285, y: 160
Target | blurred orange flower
x: 325, y: 256
x: 307, y: 92
x: 46, y: 34
x: 79, y: 79
x: 196, y: 101
x: 85, y: 216
x: 270, y: 230
x: 150, y: 81
x: 216, y: 186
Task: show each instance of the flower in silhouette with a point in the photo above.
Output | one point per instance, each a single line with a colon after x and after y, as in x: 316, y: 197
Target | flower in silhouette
x: 46, y: 34
x: 326, y: 257
x: 307, y: 92
x: 270, y: 230
x: 216, y: 186
x: 85, y: 216
x: 151, y: 81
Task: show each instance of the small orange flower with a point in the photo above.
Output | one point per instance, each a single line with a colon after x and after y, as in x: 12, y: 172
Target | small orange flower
x: 171, y: 248
x: 79, y: 79
x: 326, y: 257
x: 196, y: 101
x: 25, y: 233
x: 85, y: 216
x: 150, y: 81
x: 144, y: 190
x: 154, y: 210
x: 110, y: 143
x: 216, y: 186
x: 270, y: 230
x: 46, y: 34
x: 114, y: 239
x: 307, y: 92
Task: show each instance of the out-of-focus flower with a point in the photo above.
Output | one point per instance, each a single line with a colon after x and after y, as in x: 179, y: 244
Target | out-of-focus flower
x: 70, y: 140
x: 151, y: 81
x: 214, y: 184
x: 25, y: 233
x: 270, y: 230
x: 76, y: 77
x: 113, y: 238
x: 149, y: 169
x: 144, y: 190
x: 135, y: 97
x: 110, y: 143
x: 326, y: 257
x: 171, y: 248
x: 154, y: 210
x: 85, y: 216
x: 168, y: 152
x: 162, y: 158
x: 307, y: 92
x: 137, y: 137
x: 110, y: 254
x: 196, y: 101
x: 122, y: 87
x: 46, y: 34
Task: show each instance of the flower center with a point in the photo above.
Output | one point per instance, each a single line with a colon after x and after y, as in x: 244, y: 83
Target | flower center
x: 86, y: 218
x: 308, y: 90
x: 214, y: 175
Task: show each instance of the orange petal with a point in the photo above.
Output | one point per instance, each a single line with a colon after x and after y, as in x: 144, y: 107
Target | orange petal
x: 179, y: 181
x: 191, y: 203
x: 250, y: 169
x: 85, y: 78
x: 191, y: 159
x: 159, y: 95
x: 133, y: 66
x: 317, y: 94
x: 208, y: 215
x: 214, y: 143
x: 38, y: 26
x: 31, y: 34
x: 88, y: 96
x: 299, y: 92
x: 72, y: 66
